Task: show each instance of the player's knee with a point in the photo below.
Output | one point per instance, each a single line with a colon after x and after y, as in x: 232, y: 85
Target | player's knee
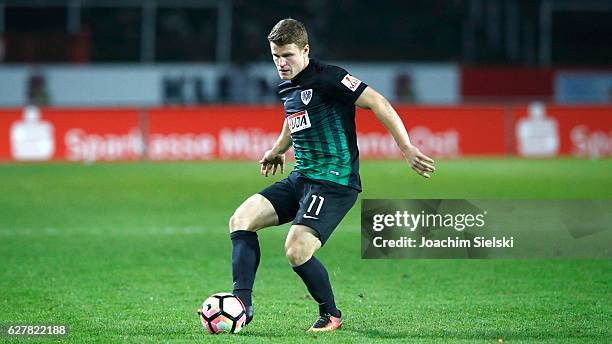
x: 297, y: 254
x: 242, y: 222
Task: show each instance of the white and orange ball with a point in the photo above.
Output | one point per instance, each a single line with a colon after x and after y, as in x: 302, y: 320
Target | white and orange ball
x: 222, y: 312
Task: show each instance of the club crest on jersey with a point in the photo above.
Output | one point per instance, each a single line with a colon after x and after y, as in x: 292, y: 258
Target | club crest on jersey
x: 298, y: 121
x: 351, y: 82
x: 306, y: 96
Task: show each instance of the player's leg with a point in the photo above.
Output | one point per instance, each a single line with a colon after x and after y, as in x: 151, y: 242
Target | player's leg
x: 253, y: 214
x: 300, y: 246
x: 277, y: 204
x: 322, y: 207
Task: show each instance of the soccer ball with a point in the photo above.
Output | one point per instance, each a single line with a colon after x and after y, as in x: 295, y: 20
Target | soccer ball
x: 222, y: 312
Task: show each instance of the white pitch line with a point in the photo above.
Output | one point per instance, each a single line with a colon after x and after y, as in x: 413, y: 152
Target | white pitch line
x: 8, y: 232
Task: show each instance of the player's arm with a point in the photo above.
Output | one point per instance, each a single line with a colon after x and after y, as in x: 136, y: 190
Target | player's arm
x: 275, y: 157
x: 386, y: 114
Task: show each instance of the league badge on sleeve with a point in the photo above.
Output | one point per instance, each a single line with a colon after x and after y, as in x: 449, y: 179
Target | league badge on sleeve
x: 351, y: 82
x: 306, y: 96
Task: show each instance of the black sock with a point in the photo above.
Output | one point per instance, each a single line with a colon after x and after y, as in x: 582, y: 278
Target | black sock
x: 315, y: 277
x: 245, y: 260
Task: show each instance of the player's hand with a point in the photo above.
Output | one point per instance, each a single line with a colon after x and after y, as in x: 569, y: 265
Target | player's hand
x: 271, y: 161
x: 420, y: 163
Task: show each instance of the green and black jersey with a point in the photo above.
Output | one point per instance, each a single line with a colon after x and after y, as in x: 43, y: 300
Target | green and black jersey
x: 320, y: 109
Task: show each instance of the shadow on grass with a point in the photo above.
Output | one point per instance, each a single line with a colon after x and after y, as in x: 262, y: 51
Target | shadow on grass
x: 262, y: 333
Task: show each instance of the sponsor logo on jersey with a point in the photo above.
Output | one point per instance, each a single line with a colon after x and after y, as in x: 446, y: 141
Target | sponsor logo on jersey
x: 298, y: 121
x: 306, y: 96
x: 351, y: 82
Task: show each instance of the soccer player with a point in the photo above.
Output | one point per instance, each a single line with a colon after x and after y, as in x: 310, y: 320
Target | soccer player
x: 319, y: 101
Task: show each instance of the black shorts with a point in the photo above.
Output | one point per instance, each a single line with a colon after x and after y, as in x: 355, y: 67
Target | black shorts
x: 318, y: 204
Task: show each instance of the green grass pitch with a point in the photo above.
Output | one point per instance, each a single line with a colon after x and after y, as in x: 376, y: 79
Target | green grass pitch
x: 126, y: 252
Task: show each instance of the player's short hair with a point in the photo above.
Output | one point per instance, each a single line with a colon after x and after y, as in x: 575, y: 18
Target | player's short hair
x: 289, y: 31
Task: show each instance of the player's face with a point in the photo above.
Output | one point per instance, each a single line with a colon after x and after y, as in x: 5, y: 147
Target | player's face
x: 289, y: 59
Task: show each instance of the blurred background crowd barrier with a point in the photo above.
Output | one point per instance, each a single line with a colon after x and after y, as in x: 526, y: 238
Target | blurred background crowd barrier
x: 193, y: 79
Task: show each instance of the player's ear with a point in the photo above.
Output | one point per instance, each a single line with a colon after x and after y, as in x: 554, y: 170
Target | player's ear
x: 306, y: 50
